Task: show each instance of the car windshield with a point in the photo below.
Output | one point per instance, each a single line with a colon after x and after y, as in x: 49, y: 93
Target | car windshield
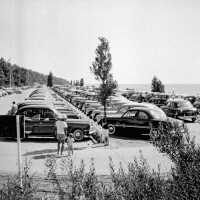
x: 158, y: 114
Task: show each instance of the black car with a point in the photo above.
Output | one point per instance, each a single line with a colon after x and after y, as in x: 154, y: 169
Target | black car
x: 40, y: 121
x: 180, y: 109
x: 136, y: 121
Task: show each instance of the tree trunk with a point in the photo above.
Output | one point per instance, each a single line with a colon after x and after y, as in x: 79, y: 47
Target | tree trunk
x: 104, y: 110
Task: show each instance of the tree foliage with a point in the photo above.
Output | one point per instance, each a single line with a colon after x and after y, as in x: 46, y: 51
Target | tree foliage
x: 157, y: 85
x: 50, y: 80
x: 82, y: 82
x: 101, y: 68
x: 21, y: 76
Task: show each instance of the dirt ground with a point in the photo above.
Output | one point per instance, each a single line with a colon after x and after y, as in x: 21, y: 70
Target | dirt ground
x: 124, y: 150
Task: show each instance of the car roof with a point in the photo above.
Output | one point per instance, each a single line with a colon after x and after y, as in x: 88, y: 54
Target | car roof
x: 38, y: 106
x: 177, y: 100
x: 141, y: 108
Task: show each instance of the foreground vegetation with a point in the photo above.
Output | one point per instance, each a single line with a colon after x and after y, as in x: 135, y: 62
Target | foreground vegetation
x: 138, y: 181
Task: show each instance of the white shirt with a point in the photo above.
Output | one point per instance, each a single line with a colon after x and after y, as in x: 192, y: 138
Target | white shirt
x: 61, y: 126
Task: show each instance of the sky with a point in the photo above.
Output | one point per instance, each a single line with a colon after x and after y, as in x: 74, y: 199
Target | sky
x: 146, y: 38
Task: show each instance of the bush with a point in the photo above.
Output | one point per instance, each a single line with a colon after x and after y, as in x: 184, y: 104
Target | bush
x: 176, y: 142
x: 12, y: 190
x: 138, y: 182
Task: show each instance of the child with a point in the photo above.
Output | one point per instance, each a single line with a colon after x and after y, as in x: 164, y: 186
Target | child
x: 70, y: 143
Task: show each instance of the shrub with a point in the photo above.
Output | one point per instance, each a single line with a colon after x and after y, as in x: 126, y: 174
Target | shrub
x: 176, y: 142
x: 12, y: 190
x: 138, y: 182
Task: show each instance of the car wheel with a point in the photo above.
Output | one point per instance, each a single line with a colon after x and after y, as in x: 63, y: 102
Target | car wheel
x: 78, y: 135
x: 111, y: 129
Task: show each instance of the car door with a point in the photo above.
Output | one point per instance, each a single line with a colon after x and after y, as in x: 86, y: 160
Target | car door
x: 47, y: 121
x: 142, y: 123
x: 128, y: 120
x: 32, y: 120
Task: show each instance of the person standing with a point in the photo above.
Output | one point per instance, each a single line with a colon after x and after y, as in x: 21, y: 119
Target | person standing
x: 61, y: 130
x: 14, y: 108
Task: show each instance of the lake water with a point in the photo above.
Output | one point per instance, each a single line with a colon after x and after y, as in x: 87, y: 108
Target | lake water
x: 188, y: 89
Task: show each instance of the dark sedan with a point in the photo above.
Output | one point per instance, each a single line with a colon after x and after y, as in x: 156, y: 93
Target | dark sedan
x: 40, y: 121
x: 180, y: 109
x: 136, y: 121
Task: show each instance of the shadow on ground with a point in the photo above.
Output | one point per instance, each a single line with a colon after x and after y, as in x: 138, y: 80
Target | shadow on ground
x: 36, y: 140
x: 128, y: 137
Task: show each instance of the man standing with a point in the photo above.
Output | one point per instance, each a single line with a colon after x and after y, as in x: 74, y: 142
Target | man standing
x: 14, y: 108
x: 61, y: 130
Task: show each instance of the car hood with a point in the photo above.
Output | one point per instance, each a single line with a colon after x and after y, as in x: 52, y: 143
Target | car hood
x: 189, y: 109
x: 80, y: 121
x: 114, y: 115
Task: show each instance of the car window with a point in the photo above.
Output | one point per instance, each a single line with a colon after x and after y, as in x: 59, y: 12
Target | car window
x: 46, y: 113
x: 123, y: 109
x: 30, y: 113
x: 142, y: 115
x: 130, y: 114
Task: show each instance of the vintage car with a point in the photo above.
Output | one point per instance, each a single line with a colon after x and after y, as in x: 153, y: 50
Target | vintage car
x: 181, y: 109
x: 40, y: 121
x: 158, y: 101
x: 192, y: 99
x: 123, y: 108
x: 135, y: 121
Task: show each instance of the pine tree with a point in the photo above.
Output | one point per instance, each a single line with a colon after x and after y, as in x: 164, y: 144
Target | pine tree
x: 50, y: 80
x: 82, y: 82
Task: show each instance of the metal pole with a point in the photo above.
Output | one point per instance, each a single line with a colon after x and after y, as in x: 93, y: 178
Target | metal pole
x: 10, y: 78
x: 19, y: 150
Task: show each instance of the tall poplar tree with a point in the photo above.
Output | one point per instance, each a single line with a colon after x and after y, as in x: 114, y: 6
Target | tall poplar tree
x: 101, y: 68
x: 50, y: 80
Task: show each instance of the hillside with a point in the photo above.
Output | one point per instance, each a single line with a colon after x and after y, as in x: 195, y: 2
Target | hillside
x: 21, y: 76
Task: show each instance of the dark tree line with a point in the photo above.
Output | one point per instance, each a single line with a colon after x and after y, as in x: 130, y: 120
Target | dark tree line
x: 77, y: 82
x: 19, y: 76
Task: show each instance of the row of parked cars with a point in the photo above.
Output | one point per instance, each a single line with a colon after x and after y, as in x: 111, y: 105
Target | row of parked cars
x: 183, y: 107
x: 122, y: 115
x: 41, y: 110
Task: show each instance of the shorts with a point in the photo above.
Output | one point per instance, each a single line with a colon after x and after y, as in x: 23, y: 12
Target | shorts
x: 61, y: 137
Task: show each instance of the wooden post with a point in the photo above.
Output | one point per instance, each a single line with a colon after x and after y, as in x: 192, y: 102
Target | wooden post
x: 19, y: 150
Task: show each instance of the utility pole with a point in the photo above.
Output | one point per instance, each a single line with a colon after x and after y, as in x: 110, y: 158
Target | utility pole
x: 10, y: 79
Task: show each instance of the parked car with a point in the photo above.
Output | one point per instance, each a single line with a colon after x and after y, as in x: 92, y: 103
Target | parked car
x: 40, y: 121
x: 135, y: 121
x: 158, y: 101
x: 181, y: 109
x: 123, y: 108
x: 192, y: 99
x: 33, y: 102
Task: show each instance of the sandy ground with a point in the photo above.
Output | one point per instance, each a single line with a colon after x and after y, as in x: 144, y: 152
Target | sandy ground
x: 122, y: 150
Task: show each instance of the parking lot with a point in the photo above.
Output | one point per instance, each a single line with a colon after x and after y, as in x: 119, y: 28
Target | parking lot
x: 120, y: 149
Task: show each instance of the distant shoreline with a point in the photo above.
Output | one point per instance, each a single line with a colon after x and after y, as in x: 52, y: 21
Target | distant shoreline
x: 188, y: 89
